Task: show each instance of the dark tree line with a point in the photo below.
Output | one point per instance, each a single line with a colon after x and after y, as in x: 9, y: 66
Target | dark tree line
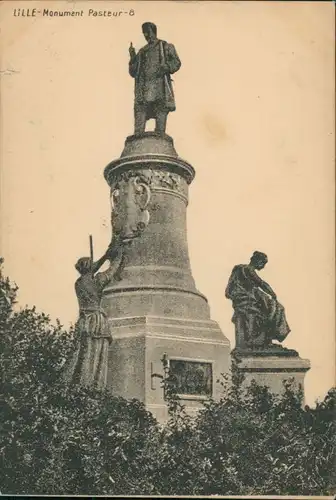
x: 59, y: 439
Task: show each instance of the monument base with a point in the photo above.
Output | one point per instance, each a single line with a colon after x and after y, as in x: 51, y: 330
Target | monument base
x: 196, y: 351
x: 273, y: 371
x: 155, y: 311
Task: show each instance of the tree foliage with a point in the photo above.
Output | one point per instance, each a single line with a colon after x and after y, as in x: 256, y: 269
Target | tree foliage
x: 66, y: 439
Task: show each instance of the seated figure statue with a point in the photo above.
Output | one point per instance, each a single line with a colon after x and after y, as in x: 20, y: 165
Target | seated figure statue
x: 258, y: 317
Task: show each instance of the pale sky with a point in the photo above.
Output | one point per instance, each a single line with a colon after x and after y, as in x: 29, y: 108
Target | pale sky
x: 255, y: 117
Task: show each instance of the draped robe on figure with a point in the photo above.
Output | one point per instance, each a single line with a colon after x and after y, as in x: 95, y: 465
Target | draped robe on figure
x: 88, y: 365
x: 251, y: 302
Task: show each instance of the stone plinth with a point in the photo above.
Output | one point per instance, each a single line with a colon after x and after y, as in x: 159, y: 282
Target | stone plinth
x: 156, y: 308
x: 272, y: 371
x: 139, y: 344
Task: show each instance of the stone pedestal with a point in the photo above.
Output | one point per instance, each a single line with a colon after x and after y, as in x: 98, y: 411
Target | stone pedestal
x: 272, y: 371
x: 156, y: 308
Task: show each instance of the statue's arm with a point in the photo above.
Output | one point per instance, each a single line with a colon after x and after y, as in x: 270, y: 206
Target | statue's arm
x: 103, y: 279
x: 262, y: 284
x: 268, y: 289
x: 173, y: 61
x: 228, y: 291
x: 133, y: 64
x: 110, y: 254
x: 229, y: 285
x: 97, y: 265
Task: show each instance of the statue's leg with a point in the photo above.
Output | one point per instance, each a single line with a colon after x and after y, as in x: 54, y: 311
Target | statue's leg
x: 161, y: 122
x: 240, y: 327
x: 255, y: 332
x: 139, y: 120
x: 250, y: 330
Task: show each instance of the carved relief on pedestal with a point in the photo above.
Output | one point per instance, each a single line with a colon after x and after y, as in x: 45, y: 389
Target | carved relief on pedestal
x: 164, y: 180
x: 158, y: 180
x: 130, y: 195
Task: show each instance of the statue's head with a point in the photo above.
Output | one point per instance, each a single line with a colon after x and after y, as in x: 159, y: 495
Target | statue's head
x: 83, y: 265
x: 150, y: 31
x: 259, y: 260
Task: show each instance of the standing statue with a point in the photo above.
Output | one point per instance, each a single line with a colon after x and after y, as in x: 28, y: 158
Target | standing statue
x: 258, y: 317
x: 151, y: 68
x: 88, y: 365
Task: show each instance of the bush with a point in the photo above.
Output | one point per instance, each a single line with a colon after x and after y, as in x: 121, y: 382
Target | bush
x: 58, y: 438
x: 250, y: 442
x: 260, y: 444
x: 66, y: 439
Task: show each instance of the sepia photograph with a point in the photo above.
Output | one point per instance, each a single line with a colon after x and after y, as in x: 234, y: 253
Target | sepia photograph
x: 167, y: 248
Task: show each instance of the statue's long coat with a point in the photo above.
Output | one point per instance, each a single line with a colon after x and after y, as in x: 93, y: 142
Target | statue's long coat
x: 152, y: 90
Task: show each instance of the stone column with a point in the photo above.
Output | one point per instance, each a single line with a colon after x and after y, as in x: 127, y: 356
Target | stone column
x: 156, y: 309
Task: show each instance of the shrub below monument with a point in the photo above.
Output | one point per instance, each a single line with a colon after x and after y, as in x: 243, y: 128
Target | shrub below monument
x: 58, y: 439
x: 254, y: 443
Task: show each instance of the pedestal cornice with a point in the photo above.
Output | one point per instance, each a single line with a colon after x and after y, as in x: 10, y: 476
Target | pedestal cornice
x: 149, y: 151
x: 149, y: 161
